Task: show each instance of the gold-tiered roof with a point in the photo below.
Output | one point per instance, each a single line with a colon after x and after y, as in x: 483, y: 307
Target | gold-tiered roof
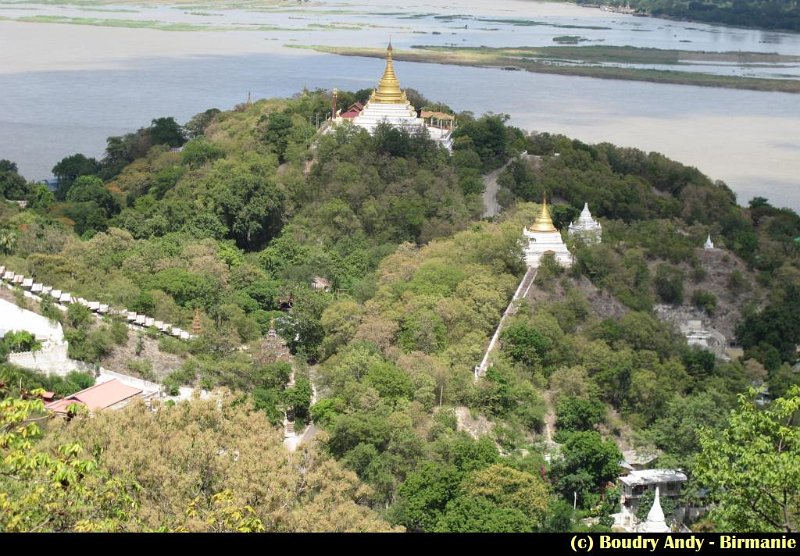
x: 543, y: 222
x: 388, y: 91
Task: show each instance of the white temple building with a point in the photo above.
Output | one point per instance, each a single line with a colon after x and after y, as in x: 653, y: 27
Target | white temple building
x: 388, y: 103
x: 586, y: 227
x: 709, y: 244
x: 544, y: 239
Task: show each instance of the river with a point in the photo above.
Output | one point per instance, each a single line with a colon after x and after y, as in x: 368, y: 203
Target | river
x: 65, y: 88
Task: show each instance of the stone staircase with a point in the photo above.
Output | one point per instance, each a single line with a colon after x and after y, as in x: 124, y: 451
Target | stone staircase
x: 522, y: 291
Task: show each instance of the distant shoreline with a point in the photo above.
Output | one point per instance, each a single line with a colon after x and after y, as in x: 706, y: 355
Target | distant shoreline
x: 629, y: 11
x: 546, y: 60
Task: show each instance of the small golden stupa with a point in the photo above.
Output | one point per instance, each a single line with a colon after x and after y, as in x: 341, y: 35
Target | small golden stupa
x: 543, y: 222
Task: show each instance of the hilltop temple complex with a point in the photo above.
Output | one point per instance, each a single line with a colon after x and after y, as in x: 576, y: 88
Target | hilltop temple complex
x: 389, y: 103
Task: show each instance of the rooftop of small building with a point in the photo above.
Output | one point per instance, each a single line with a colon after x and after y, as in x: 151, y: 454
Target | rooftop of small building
x: 438, y: 115
x: 654, y: 476
x: 97, y: 397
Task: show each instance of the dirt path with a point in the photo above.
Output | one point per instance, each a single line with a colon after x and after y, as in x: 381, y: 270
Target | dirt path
x: 490, y: 192
x: 491, y: 208
x: 549, y: 416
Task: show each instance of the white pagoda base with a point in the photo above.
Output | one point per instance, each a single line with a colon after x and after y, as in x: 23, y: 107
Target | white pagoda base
x: 543, y: 243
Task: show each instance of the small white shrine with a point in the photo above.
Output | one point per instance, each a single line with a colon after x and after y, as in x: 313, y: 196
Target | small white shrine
x: 586, y: 227
x: 656, y: 522
x: 544, y: 239
x: 709, y: 244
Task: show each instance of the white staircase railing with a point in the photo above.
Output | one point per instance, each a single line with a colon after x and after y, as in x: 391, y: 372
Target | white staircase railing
x: 522, y: 291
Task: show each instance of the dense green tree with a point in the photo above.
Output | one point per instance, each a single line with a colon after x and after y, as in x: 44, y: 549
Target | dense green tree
x: 87, y: 217
x: 200, y: 151
x: 753, y: 466
x: 511, y: 488
x: 298, y: 398
x: 197, y: 125
x: 90, y: 189
x: 669, y: 284
x: 587, y: 464
x: 279, y: 124
x: 524, y: 343
x: 579, y: 414
x: 40, y: 197
x: 468, y: 514
x: 70, y: 168
x: 489, y: 137
x: 775, y: 329
x: 166, y: 131
x: 424, y: 495
x: 247, y: 199
x: 306, y: 328
x: 12, y: 185
x: 389, y: 381
x: 677, y: 429
x: 186, y: 287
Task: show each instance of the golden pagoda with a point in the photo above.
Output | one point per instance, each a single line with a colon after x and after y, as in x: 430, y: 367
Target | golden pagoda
x: 544, y: 239
x: 543, y: 222
x: 388, y: 91
x: 389, y: 104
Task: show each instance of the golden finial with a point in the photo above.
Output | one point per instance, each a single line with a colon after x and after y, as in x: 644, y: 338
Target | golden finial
x: 543, y: 222
x: 388, y: 91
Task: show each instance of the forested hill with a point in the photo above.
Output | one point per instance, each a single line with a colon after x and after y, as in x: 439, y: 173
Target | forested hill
x: 767, y: 14
x: 368, y: 255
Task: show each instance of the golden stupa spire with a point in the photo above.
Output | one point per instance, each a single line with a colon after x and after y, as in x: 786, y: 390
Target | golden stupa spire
x: 543, y: 222
x: 197, y: 325
x: 388, y: 91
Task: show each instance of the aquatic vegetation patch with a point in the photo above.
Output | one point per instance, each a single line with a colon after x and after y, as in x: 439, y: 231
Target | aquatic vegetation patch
x: 594, y: 61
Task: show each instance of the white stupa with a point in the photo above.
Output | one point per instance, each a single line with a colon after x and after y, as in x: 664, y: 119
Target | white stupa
x: 586, y: 227
x: 709, y: 244
x: 543, y: 239
x: 388, y: 103
x: 655, y: 523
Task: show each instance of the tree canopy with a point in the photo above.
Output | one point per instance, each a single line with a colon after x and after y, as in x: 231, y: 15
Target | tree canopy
x: 753, y: 466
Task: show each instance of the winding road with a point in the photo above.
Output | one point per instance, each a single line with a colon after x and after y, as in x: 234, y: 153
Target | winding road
x: 491, y: 207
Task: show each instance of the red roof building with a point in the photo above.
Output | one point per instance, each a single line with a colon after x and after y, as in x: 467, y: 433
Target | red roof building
x: 48, y: 396
x: 112, y: 394
x: 353, y: 111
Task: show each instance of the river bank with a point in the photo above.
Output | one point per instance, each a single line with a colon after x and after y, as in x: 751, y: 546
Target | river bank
x: 751, y: 19
x: 585, y: 61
